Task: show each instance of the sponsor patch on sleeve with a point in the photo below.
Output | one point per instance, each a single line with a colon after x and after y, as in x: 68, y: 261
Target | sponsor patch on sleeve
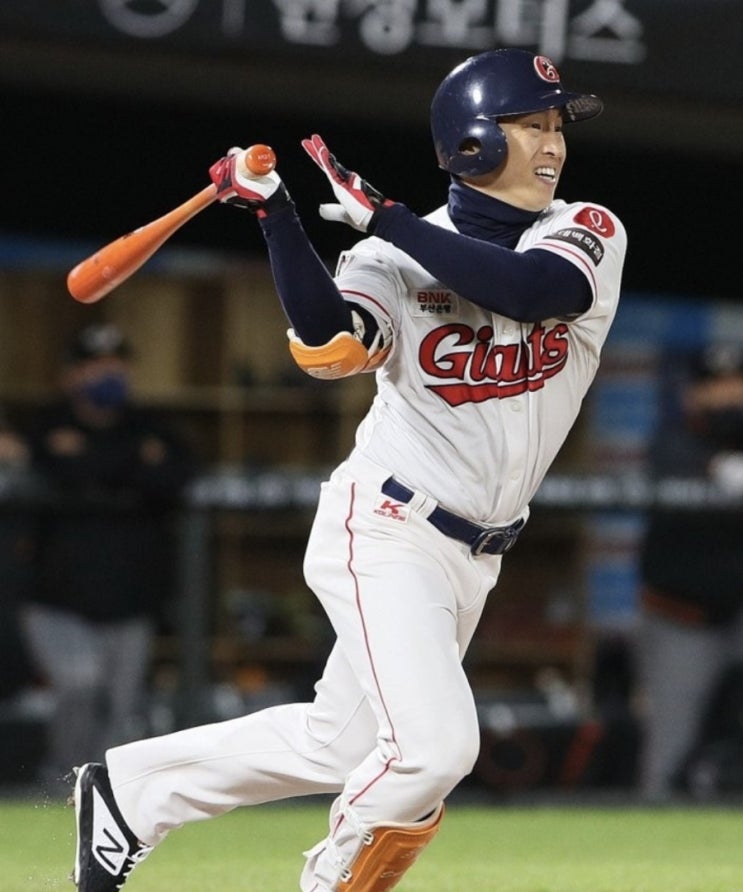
x: 580, y: 238
x: 433, y: 302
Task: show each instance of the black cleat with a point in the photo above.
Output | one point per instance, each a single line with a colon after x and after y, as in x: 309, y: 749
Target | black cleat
x: 107, y: 851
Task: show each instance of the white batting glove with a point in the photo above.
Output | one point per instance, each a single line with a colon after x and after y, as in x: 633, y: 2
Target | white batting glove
x: 358, y: 200
x: 238, y: 186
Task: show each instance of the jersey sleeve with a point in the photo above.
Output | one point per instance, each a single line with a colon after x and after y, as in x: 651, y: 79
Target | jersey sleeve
x: 369, y: 278
x: 594, y: 240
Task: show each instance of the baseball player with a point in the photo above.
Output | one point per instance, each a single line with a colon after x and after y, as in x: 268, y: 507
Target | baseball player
x: 483, y: 323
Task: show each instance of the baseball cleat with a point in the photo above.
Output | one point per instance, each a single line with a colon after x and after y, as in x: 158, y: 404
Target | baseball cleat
x: 107, y: 851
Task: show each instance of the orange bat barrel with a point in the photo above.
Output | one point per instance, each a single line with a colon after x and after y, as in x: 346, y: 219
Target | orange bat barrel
x: 97, y: 275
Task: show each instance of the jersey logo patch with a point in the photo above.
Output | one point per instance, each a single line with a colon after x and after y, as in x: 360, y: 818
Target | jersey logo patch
x: 387, y: 507
x: 434, y: 302
x: 597, y: 220
x: 472, y: 369
x: 580, y: 238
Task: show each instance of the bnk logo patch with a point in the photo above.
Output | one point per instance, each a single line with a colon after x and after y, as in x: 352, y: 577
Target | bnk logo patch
x: 434, y: 302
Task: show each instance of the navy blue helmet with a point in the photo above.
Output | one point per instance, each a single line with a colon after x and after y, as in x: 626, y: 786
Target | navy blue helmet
x: 492, y: 85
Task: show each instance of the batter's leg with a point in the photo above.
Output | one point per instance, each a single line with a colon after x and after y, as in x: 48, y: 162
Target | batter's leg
x: 284, y: 751
x: 404, y: 602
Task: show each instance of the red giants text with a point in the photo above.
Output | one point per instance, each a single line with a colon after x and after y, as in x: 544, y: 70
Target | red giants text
x: 475, y: 369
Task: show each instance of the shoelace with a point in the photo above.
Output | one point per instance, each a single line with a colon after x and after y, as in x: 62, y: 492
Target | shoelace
x: 134, y: 859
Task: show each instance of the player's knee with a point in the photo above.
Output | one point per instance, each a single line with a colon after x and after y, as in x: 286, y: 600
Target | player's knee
x: 457, y: 760
x: 441, y: 777
x: 447, y: 755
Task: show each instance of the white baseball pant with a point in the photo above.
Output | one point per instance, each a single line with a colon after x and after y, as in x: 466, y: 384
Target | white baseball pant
x: 393, y: 727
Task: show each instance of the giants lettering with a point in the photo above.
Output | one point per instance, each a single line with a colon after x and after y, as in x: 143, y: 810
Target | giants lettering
x: 482, y: 370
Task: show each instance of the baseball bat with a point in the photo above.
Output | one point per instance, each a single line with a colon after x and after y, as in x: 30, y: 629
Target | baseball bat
x: 97, y: 275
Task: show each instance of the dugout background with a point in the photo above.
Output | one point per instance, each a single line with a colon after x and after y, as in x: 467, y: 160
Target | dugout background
x: 113, y: 110
x: 112, y: 113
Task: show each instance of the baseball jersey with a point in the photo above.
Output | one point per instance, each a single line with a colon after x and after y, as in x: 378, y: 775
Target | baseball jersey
x: 472, y: 407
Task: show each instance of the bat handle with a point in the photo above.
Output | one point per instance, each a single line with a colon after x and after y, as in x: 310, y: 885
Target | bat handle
x: 198, y: 202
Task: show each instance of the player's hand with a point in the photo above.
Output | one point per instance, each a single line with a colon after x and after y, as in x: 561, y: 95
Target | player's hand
x: 236, y: 185
x: 358, y: 200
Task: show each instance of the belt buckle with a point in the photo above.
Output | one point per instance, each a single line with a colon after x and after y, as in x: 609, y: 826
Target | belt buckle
x: 508, y: 537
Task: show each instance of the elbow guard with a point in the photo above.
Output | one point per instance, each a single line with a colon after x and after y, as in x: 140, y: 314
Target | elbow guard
x: 345, y: 354
x: 342, y: 356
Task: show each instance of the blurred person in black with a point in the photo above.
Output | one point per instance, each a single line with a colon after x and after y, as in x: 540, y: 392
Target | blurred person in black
x: 691, y: 567
x: 16, y: 554
x: 105, y: 552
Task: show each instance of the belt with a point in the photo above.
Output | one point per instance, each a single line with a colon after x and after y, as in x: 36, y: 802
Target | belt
x: 481, y: 540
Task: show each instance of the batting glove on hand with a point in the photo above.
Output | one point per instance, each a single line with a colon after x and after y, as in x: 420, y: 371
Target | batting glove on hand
x: 240, y: 187
x: 359, y: 201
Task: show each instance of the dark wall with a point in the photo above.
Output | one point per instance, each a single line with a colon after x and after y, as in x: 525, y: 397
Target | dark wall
x: 93, y: 168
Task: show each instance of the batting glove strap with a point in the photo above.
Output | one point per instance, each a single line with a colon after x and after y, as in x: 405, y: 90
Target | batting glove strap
x: 358, y: 199
x: 262, y: 195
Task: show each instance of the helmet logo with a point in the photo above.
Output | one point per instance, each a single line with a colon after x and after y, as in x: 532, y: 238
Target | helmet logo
x: 546, y: 69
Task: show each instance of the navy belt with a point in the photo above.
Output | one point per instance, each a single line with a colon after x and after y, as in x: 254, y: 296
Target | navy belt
x: 481, y: 540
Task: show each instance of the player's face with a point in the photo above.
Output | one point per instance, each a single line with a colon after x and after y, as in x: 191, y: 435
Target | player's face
x: 536, y: 154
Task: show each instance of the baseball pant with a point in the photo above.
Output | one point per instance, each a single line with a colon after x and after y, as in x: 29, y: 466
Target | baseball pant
x: 393, y: 726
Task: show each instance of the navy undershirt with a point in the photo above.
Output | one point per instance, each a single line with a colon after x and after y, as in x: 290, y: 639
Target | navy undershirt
x: 482, y: 217
x: 312, y: 303
x: 477, y: 261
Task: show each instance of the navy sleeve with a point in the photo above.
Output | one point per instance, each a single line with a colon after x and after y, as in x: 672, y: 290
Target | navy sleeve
x: 525, y: 286
x: 312, y: 303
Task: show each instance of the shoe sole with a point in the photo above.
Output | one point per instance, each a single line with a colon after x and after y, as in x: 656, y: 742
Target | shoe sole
x: 81, y: 778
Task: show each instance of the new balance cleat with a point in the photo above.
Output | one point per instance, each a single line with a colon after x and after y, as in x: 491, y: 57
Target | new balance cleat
x: 107, y: 851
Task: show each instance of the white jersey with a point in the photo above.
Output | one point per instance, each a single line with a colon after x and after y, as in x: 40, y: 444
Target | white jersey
x: 472, y: 407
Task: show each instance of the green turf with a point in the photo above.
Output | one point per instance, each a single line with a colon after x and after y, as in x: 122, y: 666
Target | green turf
x: 479, y: 849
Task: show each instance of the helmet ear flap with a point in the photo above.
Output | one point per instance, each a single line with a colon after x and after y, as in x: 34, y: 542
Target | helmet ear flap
x: 481, y: 149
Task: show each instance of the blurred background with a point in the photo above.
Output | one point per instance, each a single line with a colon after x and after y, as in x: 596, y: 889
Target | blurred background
x: 112, y: 113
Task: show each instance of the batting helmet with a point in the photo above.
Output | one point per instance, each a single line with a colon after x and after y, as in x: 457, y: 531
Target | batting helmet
x: 495, y: 84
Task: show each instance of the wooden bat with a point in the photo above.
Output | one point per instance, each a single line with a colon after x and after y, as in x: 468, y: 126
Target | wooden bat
x: 97, y: 275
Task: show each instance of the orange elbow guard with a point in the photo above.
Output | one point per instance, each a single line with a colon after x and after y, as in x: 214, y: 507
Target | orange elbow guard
x: 342, y: 356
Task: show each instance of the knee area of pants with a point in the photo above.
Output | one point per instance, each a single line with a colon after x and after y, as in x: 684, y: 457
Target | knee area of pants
x: 456, y: 742
x: 445, y: 759
x: 459, y: 761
